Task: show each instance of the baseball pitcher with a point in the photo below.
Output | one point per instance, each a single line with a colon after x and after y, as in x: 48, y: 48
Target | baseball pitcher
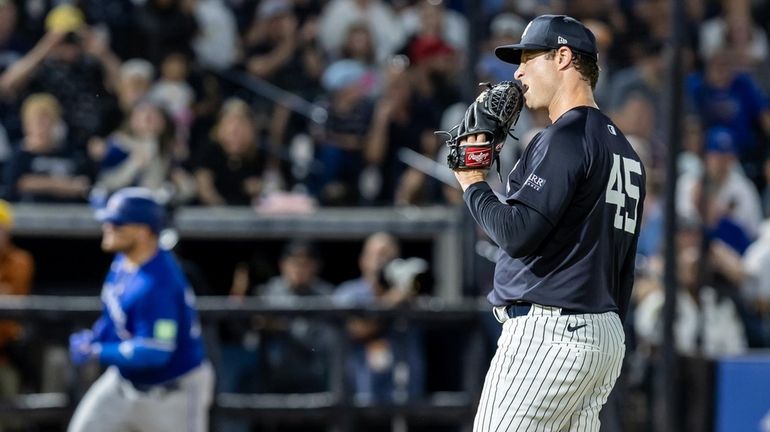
x: 149, y: 336
x: 567, y: 233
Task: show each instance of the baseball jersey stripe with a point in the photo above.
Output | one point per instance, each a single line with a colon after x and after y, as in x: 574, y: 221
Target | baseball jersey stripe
x: 563, y: 415
x: 511, y: 331
x: 508, y: 371
x: 504, y: 343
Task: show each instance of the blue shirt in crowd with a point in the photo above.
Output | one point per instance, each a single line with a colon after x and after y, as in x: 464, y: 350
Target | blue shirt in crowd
x: 737, y: 106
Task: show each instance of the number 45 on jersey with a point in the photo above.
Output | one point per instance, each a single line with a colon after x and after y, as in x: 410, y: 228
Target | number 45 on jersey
x: 619, y: 188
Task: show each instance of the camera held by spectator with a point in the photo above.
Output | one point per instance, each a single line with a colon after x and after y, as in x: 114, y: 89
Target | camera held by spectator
x: 400, y: 279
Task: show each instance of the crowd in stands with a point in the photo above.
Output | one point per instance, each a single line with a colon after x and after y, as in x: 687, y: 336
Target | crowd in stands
x: 96, y: 95
x: 99, y: 95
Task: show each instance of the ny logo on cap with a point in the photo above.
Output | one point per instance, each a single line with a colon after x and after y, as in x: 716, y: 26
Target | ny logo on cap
x: 526, y: 29
x: 561, y: 41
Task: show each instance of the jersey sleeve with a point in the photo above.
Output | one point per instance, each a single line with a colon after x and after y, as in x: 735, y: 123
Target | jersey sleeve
x: 516, y: 229
x: 156, y: 317
x: 553, y: 169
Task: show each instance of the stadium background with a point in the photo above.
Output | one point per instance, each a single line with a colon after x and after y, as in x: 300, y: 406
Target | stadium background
x: 264, y: 122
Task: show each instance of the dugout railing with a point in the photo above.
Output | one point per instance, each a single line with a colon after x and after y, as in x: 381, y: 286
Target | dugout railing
x: 445, y: 227
x: 335, y: 409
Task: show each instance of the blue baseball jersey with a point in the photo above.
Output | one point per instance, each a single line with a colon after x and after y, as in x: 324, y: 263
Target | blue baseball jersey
x: 582, y: 175
x: 149, y: 328
x: 737, y: 107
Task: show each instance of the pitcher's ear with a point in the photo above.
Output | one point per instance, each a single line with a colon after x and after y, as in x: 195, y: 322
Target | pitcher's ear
x: 564, y: 57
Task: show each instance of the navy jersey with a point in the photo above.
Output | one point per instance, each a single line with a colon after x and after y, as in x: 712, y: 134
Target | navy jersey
x: 149, y: 328
x: 583, y: 177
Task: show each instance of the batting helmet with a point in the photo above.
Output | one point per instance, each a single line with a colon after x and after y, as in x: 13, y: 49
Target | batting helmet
x: 133, y: 205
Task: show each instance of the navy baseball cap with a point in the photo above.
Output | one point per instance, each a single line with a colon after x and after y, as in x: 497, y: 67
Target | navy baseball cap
x: 299, y: 247
x: 133, y: 205
x: 720, y: 139
x: 551, y: 32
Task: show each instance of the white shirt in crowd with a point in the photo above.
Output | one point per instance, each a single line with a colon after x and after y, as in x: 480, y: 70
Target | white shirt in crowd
x: 339, y: 15
x: 737, y: 193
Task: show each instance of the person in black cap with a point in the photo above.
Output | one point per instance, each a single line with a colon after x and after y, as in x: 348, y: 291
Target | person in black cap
x: 567, y: 234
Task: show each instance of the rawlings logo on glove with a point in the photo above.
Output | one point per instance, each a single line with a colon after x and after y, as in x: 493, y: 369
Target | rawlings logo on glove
x: 493, y: 113
x: 477, y: 157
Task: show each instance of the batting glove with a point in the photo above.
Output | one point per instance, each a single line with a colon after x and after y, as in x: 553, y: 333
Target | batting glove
x: 81, y: 347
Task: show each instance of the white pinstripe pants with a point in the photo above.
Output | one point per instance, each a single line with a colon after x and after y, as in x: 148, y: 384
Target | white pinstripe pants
x: 545, y: 377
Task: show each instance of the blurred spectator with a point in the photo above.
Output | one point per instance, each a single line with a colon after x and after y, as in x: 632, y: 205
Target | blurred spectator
x: 735, y: 30
x: 308, y: 12
x: 116, y: 18
x: 16, y: 271
x: 645, y: 80
x: 592, y: 10
x: 531, y: 8
x: 208, y: 100
x: 434, y: 71
x: 13, y: 45
x: 434, y: 19
x: 341, y: 141
x: 651, y: 232
x: 281, y: 52
x: 710, y: 321
x: 339, y: 15
x: 216, y: 44
x: 604, y: 39
x: 282, y: 355
x: 163, y: 27
x: 173, y: 92
x: 690, y: 160
x: 696, y: 304
x: 75, y: 64
x: 43, y: 168
x: 433, y: 87
x: 6, y: 151
x: 271, y: 40
x: 134, y: 82
x: 637, y: 118
x: 395, y: 123
x: 359, y: 46
x: 230, y: 169
x: 386, y: 363
x: 296, y: 350
x: 723, y: 96
x: 141, y: 154
x: 403, y: 120
x: 654, y: 17
x: 756, y: 288
x: 723, y: 198
x: 505, y: 29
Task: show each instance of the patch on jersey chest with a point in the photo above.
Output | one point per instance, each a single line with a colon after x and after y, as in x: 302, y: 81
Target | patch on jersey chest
x: 535, y: 182
x: 164, y: 330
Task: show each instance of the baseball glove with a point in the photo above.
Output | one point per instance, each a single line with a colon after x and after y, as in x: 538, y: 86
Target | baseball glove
x: 493, y: 113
